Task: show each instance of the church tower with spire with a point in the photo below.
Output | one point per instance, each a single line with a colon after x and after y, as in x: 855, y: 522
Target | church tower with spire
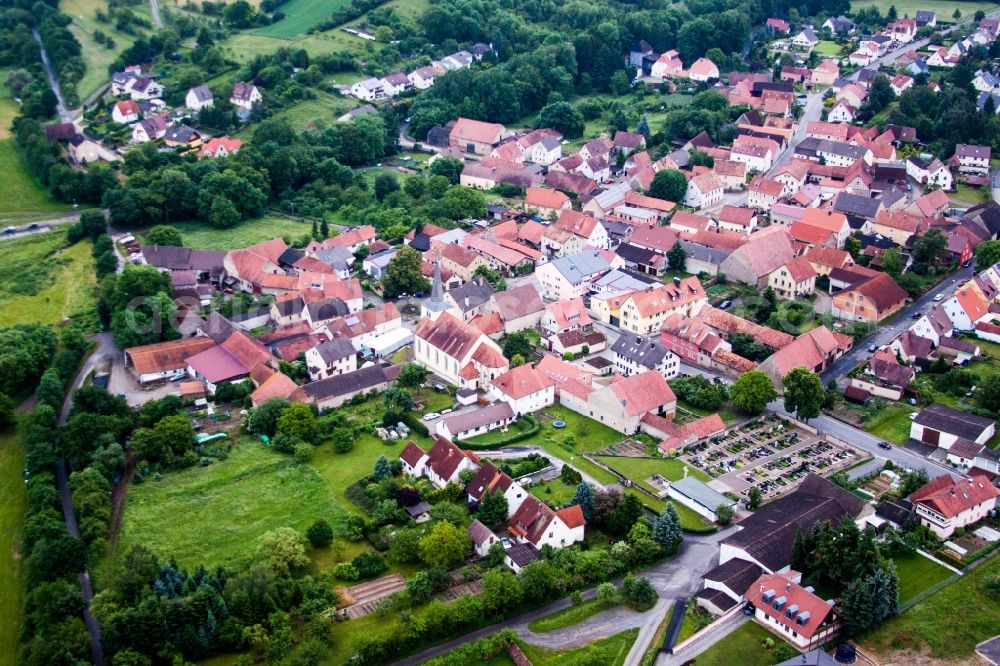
x: 432, y: 308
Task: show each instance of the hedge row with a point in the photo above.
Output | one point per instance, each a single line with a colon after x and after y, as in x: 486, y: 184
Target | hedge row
x: 513, y: 436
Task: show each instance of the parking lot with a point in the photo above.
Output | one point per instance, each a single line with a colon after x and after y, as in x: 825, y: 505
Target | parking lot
x: 769, y: 453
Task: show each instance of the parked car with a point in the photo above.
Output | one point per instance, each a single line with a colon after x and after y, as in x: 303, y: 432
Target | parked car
x: 916, y: 315
x: 872, y: 348
x: 885, y: 445
x: 725, y: 304
x: 938, y: 297
x: 430, y: 416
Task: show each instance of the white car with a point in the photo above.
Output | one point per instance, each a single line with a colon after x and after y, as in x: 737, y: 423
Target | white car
x: 938, y: 297
x: 430, y: 416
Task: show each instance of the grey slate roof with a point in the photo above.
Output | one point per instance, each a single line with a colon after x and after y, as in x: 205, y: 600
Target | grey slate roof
x: 350, y: 382
x: 476, y: 418
x: 945, y: 419
x: 471, y: 294
x: 335, y: 350
x: 701, y: 493
x: 646, y: 352
x: 854, y: 204
x: 577, y: 267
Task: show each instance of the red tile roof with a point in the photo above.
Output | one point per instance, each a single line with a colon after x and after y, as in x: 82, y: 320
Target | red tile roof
x: 950, y: 498
x: 815, y: 612
x: 642, y: 393
x: 522, y: 381
x: 572, y: 516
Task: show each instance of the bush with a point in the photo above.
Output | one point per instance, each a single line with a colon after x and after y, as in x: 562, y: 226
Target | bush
x: 416, y: 425
x: 346, y: 571
x: 369, y: 565
x: 302, y: 452
x: 320, y: 533
x: 286, y: 443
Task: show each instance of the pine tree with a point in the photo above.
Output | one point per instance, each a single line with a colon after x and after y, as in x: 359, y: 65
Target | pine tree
x: 315, y: 231
x: 677, y: 257
x: 643, y: 127
x: 493, y: 509
x: 324, y: 229
x: 801, y: 552
x: 382, y: 469
x: 584, y: 496
x: 667, y: 530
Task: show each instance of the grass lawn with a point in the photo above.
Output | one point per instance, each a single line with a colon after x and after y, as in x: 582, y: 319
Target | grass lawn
x: 313, y: 113
x: 20, y: 194
x: 42, y: 282
x: 828, y: 48
x: 14, y: 502
x: 746, y: 647
x: 990, y: 364
x: 243, y: 46
x: 256, y: 490
x: 609, y: 651
x: 300, y: 16
x: 204, y: 237
x: 964, y: 194
x: 569, y: 616
x: 693, y: 622
x: 554, y: 491
x: 948, y: 624
x: 891, y: 423
x: 916, y: 574
x: 640, y: 469
x: 944, y: 8
x: 8, y: 109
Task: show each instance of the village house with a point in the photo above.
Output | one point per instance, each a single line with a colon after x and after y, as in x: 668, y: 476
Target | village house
x: 488, y: 480
x: 704, y: 191
x: 794, y: 279
x: 945, y: 504
x: 814, y: 350
x: 520, y: 308
x: 545, y: 202
x: 422, y: 78
x: 150, y: 128
x: 865, y: 295
x: 144, y: 88
x: 525, y: 389
x: 644, y: 311
x: 570, y: 277
x: 220, y: 146
x: 763, y: 193
x: 476, y: 137
x: 198, y: 98
x: 972, y: 160
x: 806, y: 39
x: 536, y: 524
x: 125, y: 112
x: 334, y: 391
x: 623, y: 403
x: 369, y: 90
x: 336, y: 357
x: 244, y: 96
x: 763, y: 252
x: 795, y: 613
x: 635, y: 354
x: 475, y: 422
x: 442, y: 464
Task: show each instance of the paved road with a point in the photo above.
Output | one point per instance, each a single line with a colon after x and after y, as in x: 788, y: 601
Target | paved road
x: 677, y: 577
x: 66, y: 115
x: 867, y: 442
x: 105, y: 343
x: 154, y: 10
x: 885, y: 334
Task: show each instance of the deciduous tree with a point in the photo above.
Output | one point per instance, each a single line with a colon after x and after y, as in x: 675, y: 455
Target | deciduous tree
x: 804, y: 393
x: 752, y: 391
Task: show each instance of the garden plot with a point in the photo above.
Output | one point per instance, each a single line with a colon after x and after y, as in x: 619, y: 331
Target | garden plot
x: 768, y: 453
x: 364, y: 597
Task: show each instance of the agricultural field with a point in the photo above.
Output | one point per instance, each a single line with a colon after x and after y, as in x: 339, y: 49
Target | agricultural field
x: 14, y: 502
x: 43, y: 282
x: 204, y: 237
x: 944, y: 8
x: 947, y: 625
x: 96, y: 56
x: 243, y: 46
x: 301, y: 15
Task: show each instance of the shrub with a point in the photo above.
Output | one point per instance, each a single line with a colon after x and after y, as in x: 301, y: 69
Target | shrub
x: 320, y: 533
x: 302, y: 452
x: 369, y: 565
x: 346, y: 571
